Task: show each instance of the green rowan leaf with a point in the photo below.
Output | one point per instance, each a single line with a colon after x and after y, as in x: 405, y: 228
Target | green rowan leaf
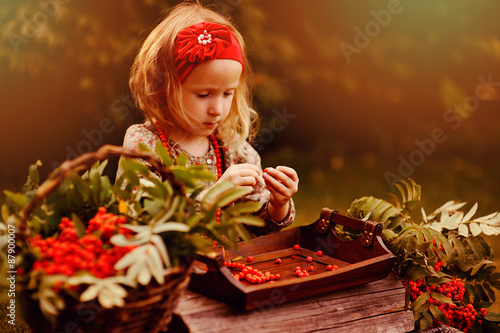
x: 482, y: 304
x: 33, y: 179
x: 426, y: 321
x: 424, y: 247
x: 489, y: 291
x: 232, y: 195
x: 475, y: 248
x: 488, y: 230
x: 163, y: 153
x: 15, y: 200
x: 463, y: 230
x: 484, y: 272
x: 493, y: 277
x: 388, y: 235
x: 243, y: 208
x: 153, y: 206
x: 399, y: 187
x: 416, y: 273
x: 243, y: 233
x: 170, y: 226
x: 441, y: 298
x: 420, y: 237
x: 457, y: 245
x: 471, y: 213
x: 135, y: 166
x: 421, y: 300
x: 182, y: 160
x: 481, y: 293
x: 438, y: 314
x: 78, y: 225
x: 215, y: 191
x: 487, y: 250
x: 492, y: 316
x: 185, y: 177
x: 105, y: 193
x: 155, y: 191
x: 395, y: 222
x: 202, y: 173
x: 426, y: 232
x: 379, y: 210
x: 474, y: 229
x: 471, y: 290
x: 5, y: 213
x: 248, y: 220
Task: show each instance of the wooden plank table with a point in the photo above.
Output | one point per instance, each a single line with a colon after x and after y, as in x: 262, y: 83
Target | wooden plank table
x: 372, y: 307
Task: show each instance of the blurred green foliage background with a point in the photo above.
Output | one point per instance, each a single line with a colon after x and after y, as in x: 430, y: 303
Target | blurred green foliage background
x: 351, y: 93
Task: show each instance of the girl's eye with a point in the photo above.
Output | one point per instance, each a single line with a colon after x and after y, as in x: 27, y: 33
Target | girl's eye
x: 202, y: 95
x: 229, y: 93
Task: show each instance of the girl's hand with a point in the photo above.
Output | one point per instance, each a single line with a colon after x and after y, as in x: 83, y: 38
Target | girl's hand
x: 245, y: 175
x: 242, y: 174
x: 283, y: 183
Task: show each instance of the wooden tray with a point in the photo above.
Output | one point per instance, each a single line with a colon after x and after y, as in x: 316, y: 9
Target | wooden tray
x: 359, y: 261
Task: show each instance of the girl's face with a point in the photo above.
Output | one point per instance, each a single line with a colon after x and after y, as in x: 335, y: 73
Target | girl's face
x: 207, y: 94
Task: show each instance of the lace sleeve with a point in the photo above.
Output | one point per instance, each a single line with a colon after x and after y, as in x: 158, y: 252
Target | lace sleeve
x: 134, y: 136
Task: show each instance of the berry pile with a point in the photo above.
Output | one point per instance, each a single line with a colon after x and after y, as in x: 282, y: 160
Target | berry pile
x: 251, y: 275
x: 459, y: 315
x: 301, y: 272
x: 68, y: 254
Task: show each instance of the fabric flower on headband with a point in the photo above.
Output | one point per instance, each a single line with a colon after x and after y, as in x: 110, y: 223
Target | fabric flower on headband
x: 204, y: 41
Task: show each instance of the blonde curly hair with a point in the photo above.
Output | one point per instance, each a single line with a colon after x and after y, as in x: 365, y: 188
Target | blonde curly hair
x: 156, y: 87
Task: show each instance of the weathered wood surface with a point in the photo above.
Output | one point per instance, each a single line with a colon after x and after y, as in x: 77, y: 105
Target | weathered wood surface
x: 372, y: 307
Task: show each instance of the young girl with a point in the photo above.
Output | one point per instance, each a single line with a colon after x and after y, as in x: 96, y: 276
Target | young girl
x: 190, y: 82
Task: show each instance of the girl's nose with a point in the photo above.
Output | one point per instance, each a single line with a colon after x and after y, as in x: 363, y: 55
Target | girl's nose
x: 217, y: 107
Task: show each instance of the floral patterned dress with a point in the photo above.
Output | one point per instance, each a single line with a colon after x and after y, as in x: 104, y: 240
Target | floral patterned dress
x: 146, y: 134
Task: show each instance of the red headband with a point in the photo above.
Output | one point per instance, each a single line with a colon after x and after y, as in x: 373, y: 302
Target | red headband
x: 204, y: 41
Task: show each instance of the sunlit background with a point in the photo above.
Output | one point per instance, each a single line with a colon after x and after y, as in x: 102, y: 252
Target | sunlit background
x: 362, y: 91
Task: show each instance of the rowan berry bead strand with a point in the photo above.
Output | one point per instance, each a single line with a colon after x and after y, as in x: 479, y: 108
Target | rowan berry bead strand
x: 218, y: 158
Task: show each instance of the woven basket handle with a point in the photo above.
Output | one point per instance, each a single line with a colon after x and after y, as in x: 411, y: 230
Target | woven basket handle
x: 84, y: 162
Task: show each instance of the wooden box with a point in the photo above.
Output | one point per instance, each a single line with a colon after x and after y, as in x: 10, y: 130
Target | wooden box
x: 359, y: 261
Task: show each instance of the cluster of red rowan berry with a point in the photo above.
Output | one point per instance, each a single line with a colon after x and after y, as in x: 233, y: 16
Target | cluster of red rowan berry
x: 67, y: 254
x: 460, y: 316
x: 250, y: 274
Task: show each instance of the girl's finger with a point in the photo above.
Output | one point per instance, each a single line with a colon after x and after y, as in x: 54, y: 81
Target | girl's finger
x: 276, y: 185
x: 289, y: 172
x: 279, y: 176
x: 277, y: 196
x: 246, y: 181
x: 246, y: 166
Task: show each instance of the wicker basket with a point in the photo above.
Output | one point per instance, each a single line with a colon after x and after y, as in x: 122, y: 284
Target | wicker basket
x: 147, y: 308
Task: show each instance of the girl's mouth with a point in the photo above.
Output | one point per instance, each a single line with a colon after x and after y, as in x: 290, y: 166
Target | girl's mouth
x: 210, y: 125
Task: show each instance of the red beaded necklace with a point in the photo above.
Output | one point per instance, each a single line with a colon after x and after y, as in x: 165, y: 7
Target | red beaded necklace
x: 215, y: 143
